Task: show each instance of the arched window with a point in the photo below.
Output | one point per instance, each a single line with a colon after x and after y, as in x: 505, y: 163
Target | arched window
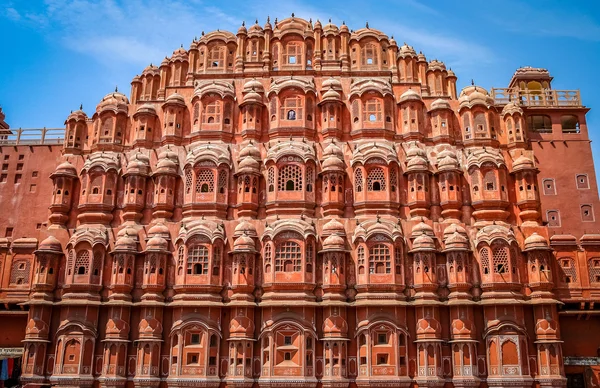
x: 484, y: 255
x: 369, y: 55
x: 380, y: 259
x: 197, y: 260
x: 222, y: 181
x: 372, y: 111
x: 291, y: 109
x: 376, y: 179
x: 309, y: 179
x: 188, y: 181
x: 288, y: 257
x: 205, y: 181
x: 212, y: 113
x: 290, y: 178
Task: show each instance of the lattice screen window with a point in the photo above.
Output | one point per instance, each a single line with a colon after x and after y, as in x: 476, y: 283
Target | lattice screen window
x: 288, y: 257
x: 594, y: 270
x: 361, y: 259
x: 489, y: 181
x: 355, y: 110
x: 309, y: 256
x: 309, y: 179
x: 358, y: 180
x: 369, y: 54
x: 212, y: 113
x: 222, y: 181
x: 484, y: 255
x: 205, y: 181
x: 216, y: 57
x: 97, y: 264
x: 291, y: 109
x: 376, y: 179
x: 268, y: 254
x: 290, y: 178
x: 107, y: 128
x: 151, y: 264
x: 500, y: 255
x: 567, y: 265
x: 372, y: 110
x: 325, y: 183
x: 480, y: 124
x: 393, y: 179
x: 197, y: 260
x: 467, y: 126
x: 180, y: 256
x: 19, y: 273
x: 188, y: 181
x: 380, y: 259
x: 216, y: 265
x: 43, y: 263
x: 82, y: 263
x: 293, y: 54
x: 271, y: 179
x: 196, y: 113
x: 70, y: 262
x: 246, y: 184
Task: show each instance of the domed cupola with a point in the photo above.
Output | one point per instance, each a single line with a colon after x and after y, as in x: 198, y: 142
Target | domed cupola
x: 134, y: 197
x: 76, y: 131
x: 449, y: 178
x: 528, y: 199
x: 252, y: 108
x: 331, y: 107
x: 418, y: 174
x: 478, y: 117
x: 144, y: 125
x: 248, y: 180
x: 408, y: 66
x: 245, y: 227
x: 110, y: 121
x: 411, y: 114
x: 165, y: 178
x: 333, y: 174
x: 63, y: 179
x: 512, y: 115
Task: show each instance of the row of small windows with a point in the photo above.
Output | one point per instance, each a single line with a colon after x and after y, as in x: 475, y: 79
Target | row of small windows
x: 554, y: 221
x: 581, y: 182
x: 543, y: 123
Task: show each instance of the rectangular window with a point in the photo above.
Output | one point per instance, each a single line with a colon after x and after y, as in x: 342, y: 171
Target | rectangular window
x: 287, y: 340
x: 18, y: 178
x: 19, y: 166
x: 3, y: 178
x: 549, y: 186
x: 195, y: 340
x: 32, y: 188
x: 9, y: 232
x: 382, y: 359
x: 21, y: 157
x: 582, y: 182
x: 34, y: 174
x: 287, y: 356
x: 381, y: 339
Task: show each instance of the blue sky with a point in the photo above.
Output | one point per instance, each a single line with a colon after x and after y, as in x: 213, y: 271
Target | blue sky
x: 58, y: 54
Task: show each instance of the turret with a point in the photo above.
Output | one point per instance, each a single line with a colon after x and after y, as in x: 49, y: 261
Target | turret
x: 63, y: 179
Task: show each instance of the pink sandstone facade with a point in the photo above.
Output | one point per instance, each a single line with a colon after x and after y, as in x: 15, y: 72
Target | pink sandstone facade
x: 301, y: 205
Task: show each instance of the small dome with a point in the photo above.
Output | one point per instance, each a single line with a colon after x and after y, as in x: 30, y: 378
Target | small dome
x: 151, y: 70
x: 252, y: 98
x: 256, y: 29
x: 334, y: 326
x: 241, y: 327
x: 440, y: 104
x: 535, y: 241
x: 165, y: 62
x: 344, y: 28
x: 423, y: 242
x: 157, y: 243
x: 50, y: 243
x: 334, y: 226
x: 78, y: 115
x: 318, y: 25
x: 180, y: 53
x: 474, y: 95
x: 331, y: 83
x: 114, y: 101
x: 65, y: 169
x: 456, y: 241
x: 334, y: 243
x: 127, y: 231
x: 255, y: 85
x: 330, y: 28
x: 451, y: 74
x: 511, y: 108
x: 333, y: 149
x: 333, y: 163
x: 410, y: 95
x: 406, y: 51
x: 421, y: 57
x: 139, y: 164
x: 160, y: 230
x: 246, y: 228
x: 244, y: 243
x: 447, y: 161
x: 167, y: 163
x: 331, y: 95
x: 176, y: 99
x: 454, y: 228
x: 523, y: 163
x: 242, y: 30
x: 437, y: 65
x: 249, y: 164
x: 147, y: 109
x: 126, y: 243
x: 421, y: 229
x: 251, y: 150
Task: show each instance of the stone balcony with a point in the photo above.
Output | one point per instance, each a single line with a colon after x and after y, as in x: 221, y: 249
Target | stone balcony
x: 545, y: 98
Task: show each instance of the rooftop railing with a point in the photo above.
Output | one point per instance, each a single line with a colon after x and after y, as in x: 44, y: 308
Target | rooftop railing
x: 541, y: 98
x: 37, y: 136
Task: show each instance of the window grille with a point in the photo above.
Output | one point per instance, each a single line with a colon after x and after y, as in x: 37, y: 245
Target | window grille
x: 271, y: 179
x: 379, y: 259
x: 372, y: 110
x: 222, y: 181
x: 290, y: 178
x: 376, y: 179
x: 20, y: 272
x: 594, y: 270
x: 205, y: 181
x: 82, y: 263
x: 500, y: 255
x: 358, y: 180
x: 188, y: 181
x: 212, y: 113
x: 288, y: 257
x: 197, y: 260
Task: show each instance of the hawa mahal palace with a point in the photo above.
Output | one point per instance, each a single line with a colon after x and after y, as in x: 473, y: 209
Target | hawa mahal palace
x: 304, y: 205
